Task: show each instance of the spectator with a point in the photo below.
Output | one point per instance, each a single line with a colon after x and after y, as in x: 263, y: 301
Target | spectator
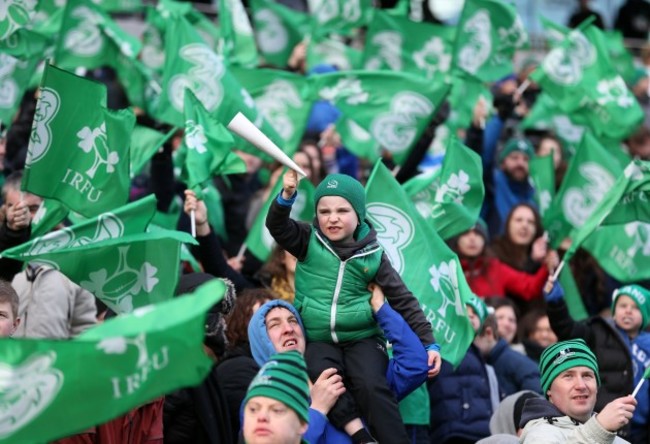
x: 15, y: 221
x: 535, y: 333
x: 279, y: 274
x: 583, y: 13
x: 506, y: 315
x: 9, y: 319
x: 633, y: 19
x: 504, y: 424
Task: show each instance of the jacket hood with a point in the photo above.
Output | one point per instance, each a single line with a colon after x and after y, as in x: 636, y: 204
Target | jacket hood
x: 536, y: 408
x: 261, y: 346
x: 506, y: 417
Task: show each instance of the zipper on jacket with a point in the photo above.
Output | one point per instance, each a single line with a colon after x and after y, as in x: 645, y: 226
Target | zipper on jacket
x: 335, y: 301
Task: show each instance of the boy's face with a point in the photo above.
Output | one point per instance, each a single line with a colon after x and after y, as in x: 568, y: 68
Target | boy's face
x: 268, y: 421
x: 627, y: 315
x: 7, y: 321
x: 473, y: 318
x: 336, y: 218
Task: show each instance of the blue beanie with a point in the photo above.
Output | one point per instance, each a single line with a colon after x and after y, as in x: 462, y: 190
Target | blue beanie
x: 261, y: 346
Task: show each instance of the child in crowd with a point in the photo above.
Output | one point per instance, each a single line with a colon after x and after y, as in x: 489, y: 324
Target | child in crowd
x: 338, y: 258
x: 9, y: 319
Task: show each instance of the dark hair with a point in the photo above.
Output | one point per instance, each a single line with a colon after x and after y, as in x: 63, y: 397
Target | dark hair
x: 517, y: 256
x: 317, y: 175
x: 237, y: 321
x: 497, y: 302
x: 274, y: 266
x: 490, y: 321
x: 528, y: 323
x: 8, y: 294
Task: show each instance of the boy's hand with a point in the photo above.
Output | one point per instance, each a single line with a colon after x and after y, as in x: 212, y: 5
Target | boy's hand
x: 434, y: 363
x: 377, y: 299
x: 289, y: 184
x: 200, y: 212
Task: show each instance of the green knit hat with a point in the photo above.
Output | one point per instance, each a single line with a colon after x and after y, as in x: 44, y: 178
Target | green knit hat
x: 346, y: 187
x: 283, y: 378
x: 479, y: 307
x: 521, y: 145
x: 640, y: 295
x: 562, y: 356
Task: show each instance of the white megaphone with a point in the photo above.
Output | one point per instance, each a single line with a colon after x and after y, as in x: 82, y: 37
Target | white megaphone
x: 245, y: 129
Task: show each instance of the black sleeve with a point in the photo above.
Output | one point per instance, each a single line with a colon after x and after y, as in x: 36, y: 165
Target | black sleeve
x: 563, y: 324
x: 402, y: 300
x: 291, y: 235
x: 162, y: 181
x: 474, y: 139
x: 8, y: 239
x: 179, y: 417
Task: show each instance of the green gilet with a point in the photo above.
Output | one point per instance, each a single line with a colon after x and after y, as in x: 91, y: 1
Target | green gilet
x: 332, y: 295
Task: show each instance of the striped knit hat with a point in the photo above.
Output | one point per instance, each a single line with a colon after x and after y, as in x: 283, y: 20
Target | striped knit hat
x: 564, y: 356
x: 283, y: 378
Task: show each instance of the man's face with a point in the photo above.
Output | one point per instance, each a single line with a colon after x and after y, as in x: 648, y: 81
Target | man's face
x: 574, y: 391
x: 32, y: 201
x: 268, y: 421
x: 515, y: 165
x: 7, y: 321
x: 284, y: 330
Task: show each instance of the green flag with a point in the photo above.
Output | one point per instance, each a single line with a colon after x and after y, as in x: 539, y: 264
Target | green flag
x: 278, y: 29
x: 489, y: 32
x: 621, y: 58
x: 15, y: 15
x: 465, y: 93
x: 423, y: 260
x: 451, y: 199
x: 581, y: 78
x: 90, y: 38
x: 357, y: 140
x: 121, y: 5
x: 237, y: 34
x: 145, y: 142
x: 542, y: 173
x: 332, y: 50
x: 259, y: 241
x: 283, y: 100
x: 591, y: 173
x: 572, y: 295
x: 50, y: 213
x: 132, y: 218
x: 393, y: 107
x: 399, y: 44
x: 116, y: 366
x: 14, y: 79
x: 339, y: 16
x: 78, y: 149
x: 25, y: 44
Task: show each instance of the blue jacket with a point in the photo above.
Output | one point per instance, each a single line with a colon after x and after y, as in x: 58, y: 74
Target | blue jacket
x: 515, y: 371
x: 461, y: 406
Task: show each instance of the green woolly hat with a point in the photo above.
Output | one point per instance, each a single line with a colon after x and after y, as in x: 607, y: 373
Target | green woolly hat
x: 640, y: 295
x: 563, y: 356
x: 346, y: 187
x: 521, y: 145
x: 479, y: 307
x: 283, y: 378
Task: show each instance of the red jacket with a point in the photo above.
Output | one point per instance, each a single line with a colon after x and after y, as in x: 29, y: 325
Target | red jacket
x: 494, y: 278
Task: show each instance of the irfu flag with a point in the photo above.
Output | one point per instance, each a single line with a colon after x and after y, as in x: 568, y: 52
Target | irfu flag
x: 90, y: 38
x: 132, y: 218
x: 237, y: 39
x: 14, y: 79
x: 208, y: 146
x: 116, y: 366
x: 450, y: 200
x: 282, y: 98
x: 339, y: 16
x: 489, y: 32
x: 78, y: 150
x: 15, y: 15
x: 579, y: 75
x: 126, y: 272
x: 399, y: 44
x: 145, y: 142
x: 542, y: 173
x: 259, y: 241
x: 620, y: 226
x: 428, y: 267
x: 591, y: 173
x: 278, y: 29
x: 393, y: 107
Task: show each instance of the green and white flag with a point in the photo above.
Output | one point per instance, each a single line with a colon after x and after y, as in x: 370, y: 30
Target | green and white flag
x: 399, y: 44
x: 78, y: 149
x: 591, y: 173
x: 127, y: 362
x: 357, y: 140
x: 339, y: 16
x: 145, y: 142
x: 50, y: 213
x: 15, y: 75
x: 90, y: 38
x: 488, y: 34
x: 132, y: 218
x: 278, y: 29
x: 333, y: 51
x: 15, y: 15
x: 621, y: 58
x: 579, y: 75
x: 259, y: 241
x: 208, y: 146
x: 282, y: 98
x: 465, y: 93
x: 450, y: 199
x: 620, y: 226
x: 121, y: 5
x: 542, y: 173
x: 237, y: 39
x: 426, y: 264
x: 25, y: 44
x: 393, y: 107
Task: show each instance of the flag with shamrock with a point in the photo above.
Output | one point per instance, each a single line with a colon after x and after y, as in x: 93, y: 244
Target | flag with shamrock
x: 426, y: 264
x: 488, y: 34
x: 542, y: 173
x: 394, y: 107
x: 237, y: 39
x: 90, y: 38
x: 127, y: 362
x: 399, y: 44
x: 50, y: 213
x: 16, y: 15
x: 450, y: 199
x: 78, y: 149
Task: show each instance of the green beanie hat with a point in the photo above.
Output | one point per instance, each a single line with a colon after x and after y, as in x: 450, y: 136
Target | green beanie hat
x: 521, y: 145
x: 640, y: 295
x: 562, y: 356
x: 479, y: 307
x: 283, y: 378
x: 346, y: 187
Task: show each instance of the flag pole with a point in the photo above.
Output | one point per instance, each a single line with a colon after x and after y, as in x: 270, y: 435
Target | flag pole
x: 638, y: 387
x: 242, y: 250
x: 193, y: 222
x: 523, y: 87
x: 556, y: 274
